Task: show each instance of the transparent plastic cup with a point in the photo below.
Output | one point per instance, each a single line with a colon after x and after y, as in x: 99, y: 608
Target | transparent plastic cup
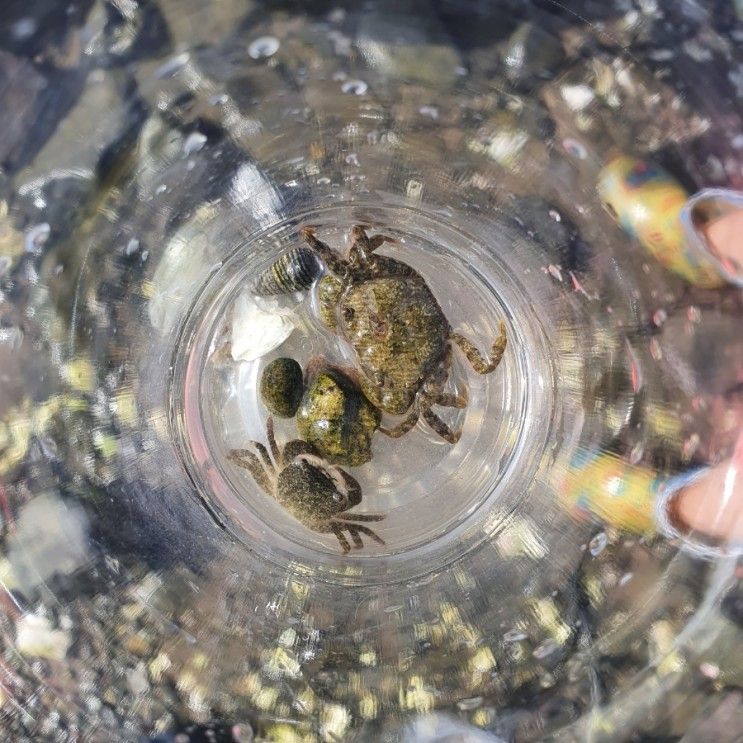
x: 552, y: 574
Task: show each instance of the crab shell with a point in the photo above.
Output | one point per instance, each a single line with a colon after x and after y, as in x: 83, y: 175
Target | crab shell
x: 396, y: 327
x: 313, y: 492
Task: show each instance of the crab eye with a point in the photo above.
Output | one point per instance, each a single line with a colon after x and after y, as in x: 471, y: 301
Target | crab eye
x: 348, y: 314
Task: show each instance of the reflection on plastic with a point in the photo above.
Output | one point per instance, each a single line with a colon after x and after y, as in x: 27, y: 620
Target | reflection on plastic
x: 444, y: 729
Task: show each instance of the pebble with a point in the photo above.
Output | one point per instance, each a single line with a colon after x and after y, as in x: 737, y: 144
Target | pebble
x: 37, y: 236
x: 577, y: 97
x: 354, y: 87
x: 136, y: 680
x: 263, y: 47
x: 598, y: 544
x: 532, y: 53
x: 36, y: 638
x: 194, y: 143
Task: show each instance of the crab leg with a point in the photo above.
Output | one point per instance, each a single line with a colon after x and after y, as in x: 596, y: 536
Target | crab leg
x: 250, y: 461
x: 440, y: 427
x: 332, y: 261
x: 264, y: 455
x: 404, y: 426
x: 275, y: 453
x: 357, y: 541
x: 480, y: 364
x: 337, y: 529
x: 449, y: 400
x: 359, y: 516
x: 353, y: 489
x: 363, y: 245
x: 355, y: 529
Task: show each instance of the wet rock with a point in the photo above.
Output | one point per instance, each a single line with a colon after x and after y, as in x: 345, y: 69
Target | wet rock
x: 548, y: 227
x: 78, y: 142
x: 32, y: 28
x: 132, y: 31
x: 211, y: 732
x: 193, y: 23
x: 20, y: 85
x: 532, y: 53
x: 717, y: 720
x: 408, y: 48
x: 11, y: 241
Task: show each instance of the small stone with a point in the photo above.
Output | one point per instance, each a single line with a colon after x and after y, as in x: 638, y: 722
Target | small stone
x: 35, y: 638
x: 263, y: 47
x: 545, y: 649
x: 136, y: 680
x: 409, y: 47
x: 532, y: 53
x: 281, y: 387
x: 20, y: 84
x: 598, y: 544
x: 138, y: 644
x: 354, y: 87
x: 577, y: 97
x: 194, y: 142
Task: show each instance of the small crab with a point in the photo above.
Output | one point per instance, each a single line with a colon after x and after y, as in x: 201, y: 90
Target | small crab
x: 315, y: 493
x: 402, y: 339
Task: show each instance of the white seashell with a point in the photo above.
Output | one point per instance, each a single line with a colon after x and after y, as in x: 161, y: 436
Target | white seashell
x: 259, y: 325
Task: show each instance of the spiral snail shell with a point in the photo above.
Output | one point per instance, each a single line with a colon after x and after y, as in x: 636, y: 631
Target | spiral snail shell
x: 292, y: 272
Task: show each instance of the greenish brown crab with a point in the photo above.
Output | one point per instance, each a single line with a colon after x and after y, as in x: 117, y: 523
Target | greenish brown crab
x: 314, y: 492
x: 402, y: 339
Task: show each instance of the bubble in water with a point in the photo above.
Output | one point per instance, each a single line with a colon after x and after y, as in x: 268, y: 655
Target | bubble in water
x: 355, y: 87
x: 598, y: 544
x: 263, y: 47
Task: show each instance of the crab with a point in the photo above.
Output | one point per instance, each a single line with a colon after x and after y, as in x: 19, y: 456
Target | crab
x: 403, y: 341
x: 315, y: 493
